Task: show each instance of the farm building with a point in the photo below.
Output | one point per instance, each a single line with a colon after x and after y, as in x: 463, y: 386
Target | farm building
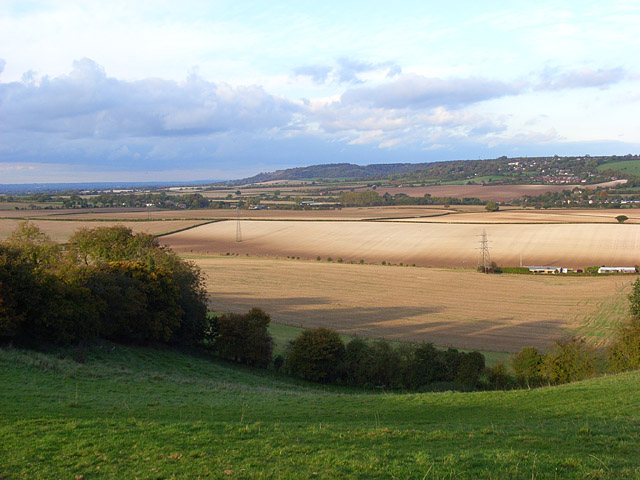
x: 546, y: 270
x: 617, y: 270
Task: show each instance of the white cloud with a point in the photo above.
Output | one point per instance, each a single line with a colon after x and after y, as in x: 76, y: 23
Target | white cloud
x: 88, y: 103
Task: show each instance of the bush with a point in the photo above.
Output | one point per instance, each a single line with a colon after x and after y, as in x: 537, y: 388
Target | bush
x: 136, y: 304
x: 427, y: 366
x: 634, y: 300
x: 100, y: 246
x: 470, y: 368
x: 388, y: 365
x: 245, y: 337
x: 569, y: 361
x: 316, y: 355
x: 497, y: 378
x: 491, y: 206
x: 624, y: 353
x: 111, y: 282
x: 526, y: 366
x: 357, y: 362
x: 37, y: 306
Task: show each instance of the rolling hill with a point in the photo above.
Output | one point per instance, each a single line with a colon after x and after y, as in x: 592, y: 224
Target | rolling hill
x: 134, y: 412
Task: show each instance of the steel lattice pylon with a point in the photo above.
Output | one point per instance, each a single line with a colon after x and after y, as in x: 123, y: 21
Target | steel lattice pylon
x: 484, y: 260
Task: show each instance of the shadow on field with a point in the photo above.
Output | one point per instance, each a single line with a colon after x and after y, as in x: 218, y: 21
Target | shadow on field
x: 423, y: 324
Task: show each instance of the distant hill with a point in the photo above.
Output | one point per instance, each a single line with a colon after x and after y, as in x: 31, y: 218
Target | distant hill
x: 336, y: 171
x: 553, y: 169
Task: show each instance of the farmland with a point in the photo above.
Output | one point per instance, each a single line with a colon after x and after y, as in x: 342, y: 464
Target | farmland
x: 61, y: 230
x: 420, y: 243
x: 444, y: 306
x: 134, y: 412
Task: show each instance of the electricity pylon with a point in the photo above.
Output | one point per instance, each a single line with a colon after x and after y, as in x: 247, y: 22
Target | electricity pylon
x: 238, y: 229
x: 484, y: 261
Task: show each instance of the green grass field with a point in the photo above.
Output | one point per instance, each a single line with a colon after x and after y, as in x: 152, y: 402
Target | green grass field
x: 143, y: 413
x: 631, y: 166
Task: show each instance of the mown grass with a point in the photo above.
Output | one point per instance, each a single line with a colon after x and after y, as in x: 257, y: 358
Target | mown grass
x: 133, y: 412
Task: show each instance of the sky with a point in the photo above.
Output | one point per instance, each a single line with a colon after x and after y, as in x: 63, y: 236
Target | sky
x: 204, y: 89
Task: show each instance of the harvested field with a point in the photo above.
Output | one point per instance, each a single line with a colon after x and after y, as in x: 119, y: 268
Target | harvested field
x: 532, y: 216
x: 363, y: 213
x: 430, y: 244
x: 61, y: 230
x: 447, y: 307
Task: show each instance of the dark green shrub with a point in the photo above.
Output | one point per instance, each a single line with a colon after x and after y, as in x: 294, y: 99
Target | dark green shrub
x: 316, y: 355
x: 388, y: 365
x: 497, y: 378
x: 427, y: 366
x: 278, y: 363
x: 99, y: 246
x: 634, y: 300
x: 624, y: 353
x: 527, y: 365
x: 451, y: 360
x: 37, y: 306
x: 471, y: 366
x: 357, y: 362
x: 245, y: 338
x: 569, y: 361
x: 136, y: 304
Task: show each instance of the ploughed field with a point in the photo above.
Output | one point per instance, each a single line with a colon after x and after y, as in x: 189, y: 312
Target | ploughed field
x: 447, y: 307
x: 422, y: 243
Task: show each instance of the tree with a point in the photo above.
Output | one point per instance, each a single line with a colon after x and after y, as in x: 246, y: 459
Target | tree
x: 34, y: 246
x: 136, y: 304
x: 624, y: 353
x: 472, y: 365
x: 102, y: 245
x: 622, y: 218
x: 245, y: 337
x: 634, y: 300
x: 569, y: 361
x: 526, y: 366
x: 316, y: 355
x: 491, y: 206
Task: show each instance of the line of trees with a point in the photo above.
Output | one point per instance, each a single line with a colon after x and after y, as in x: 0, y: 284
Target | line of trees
x: 369, y: 198
x: 108, y: 282
x: 320, y: 355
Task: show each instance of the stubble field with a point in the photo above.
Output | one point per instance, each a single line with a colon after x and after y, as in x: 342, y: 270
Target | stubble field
x: 61, y: 230
x: 448, y: 307
x: 420, y: 243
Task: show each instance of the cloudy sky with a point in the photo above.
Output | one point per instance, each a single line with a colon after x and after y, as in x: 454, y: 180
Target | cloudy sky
x: 164, y: 90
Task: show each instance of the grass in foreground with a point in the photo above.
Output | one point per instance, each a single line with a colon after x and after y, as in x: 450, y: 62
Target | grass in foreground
x: 134, y: 412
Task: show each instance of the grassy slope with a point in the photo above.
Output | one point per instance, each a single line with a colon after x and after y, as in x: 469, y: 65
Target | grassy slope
x: 143, y: 413
x: 632, y: 167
